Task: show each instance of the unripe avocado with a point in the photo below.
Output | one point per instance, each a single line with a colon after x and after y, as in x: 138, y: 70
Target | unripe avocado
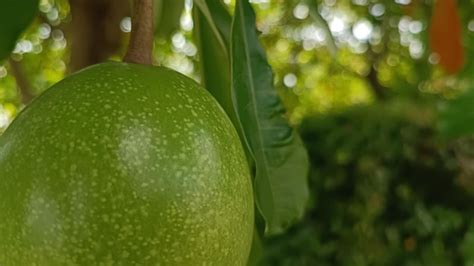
x: 124, y: 164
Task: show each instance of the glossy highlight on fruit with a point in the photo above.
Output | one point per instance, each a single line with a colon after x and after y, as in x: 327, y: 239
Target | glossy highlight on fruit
x: 124, y: 164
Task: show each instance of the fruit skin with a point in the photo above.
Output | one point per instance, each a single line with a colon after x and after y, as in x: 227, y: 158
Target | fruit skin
x: 123, y: 164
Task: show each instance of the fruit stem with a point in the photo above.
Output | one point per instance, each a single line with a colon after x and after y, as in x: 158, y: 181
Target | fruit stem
x: 140, y: 46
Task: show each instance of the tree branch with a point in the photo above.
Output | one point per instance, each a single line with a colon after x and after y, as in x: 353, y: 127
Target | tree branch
x: 22, y: 82
x: 374, y: 57
x: 377, y: 88
x: 141, y: 40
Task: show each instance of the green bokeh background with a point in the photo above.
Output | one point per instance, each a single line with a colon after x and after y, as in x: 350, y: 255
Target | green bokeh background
x: 386, y: 189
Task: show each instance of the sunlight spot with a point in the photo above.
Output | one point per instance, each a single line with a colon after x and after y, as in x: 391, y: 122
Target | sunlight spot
x: 404, y: 24
x: 57, y: 35
x: 44, y: 31
x: 186, y: 22
x: 4, y: 119
x: 415, y: 27
x: 329, y: 2
x: 362, y: 30
x: 470, y: 26
x: 23, y: 46
x: 416, y: 49
x: 360, y: 2
x: 188, y: 5
x: 53, y: 14
x: 259, y: 1
x: 290, y: 80
x: 45, y: 7
x: 126, y: 24
x: 301, y: 11
x: 377, y: 10
x: 189, y: 49
x: 178, y: 40
x: 336, y: 25
x: 403, y: 2
x: 3, y: 72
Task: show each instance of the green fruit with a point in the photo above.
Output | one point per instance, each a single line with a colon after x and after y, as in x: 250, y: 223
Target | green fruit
x: 124, y: 164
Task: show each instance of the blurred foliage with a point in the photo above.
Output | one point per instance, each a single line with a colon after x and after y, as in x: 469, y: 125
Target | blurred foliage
x: 384, y: 192
x: 455, y: 116
x: 382, y: 47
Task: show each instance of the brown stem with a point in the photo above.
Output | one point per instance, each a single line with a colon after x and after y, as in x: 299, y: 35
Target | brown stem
x: 22, y: 82
x: 378, y: 89
x: 141, y: 39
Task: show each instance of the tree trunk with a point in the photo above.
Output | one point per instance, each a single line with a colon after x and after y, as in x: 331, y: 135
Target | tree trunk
x: 95, y: 30
x: 380, y: 91
x: 22, y: 82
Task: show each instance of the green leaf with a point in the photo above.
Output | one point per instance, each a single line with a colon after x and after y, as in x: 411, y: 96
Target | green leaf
x: 168, y: 14
x: 256, y: 251
x: 281, y: 159
x: 456, y: 117
x: 214, y: 54
x: 221, y: 18
x: 15, y: 17
x: 212, y: 36
x: 215, y: 18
